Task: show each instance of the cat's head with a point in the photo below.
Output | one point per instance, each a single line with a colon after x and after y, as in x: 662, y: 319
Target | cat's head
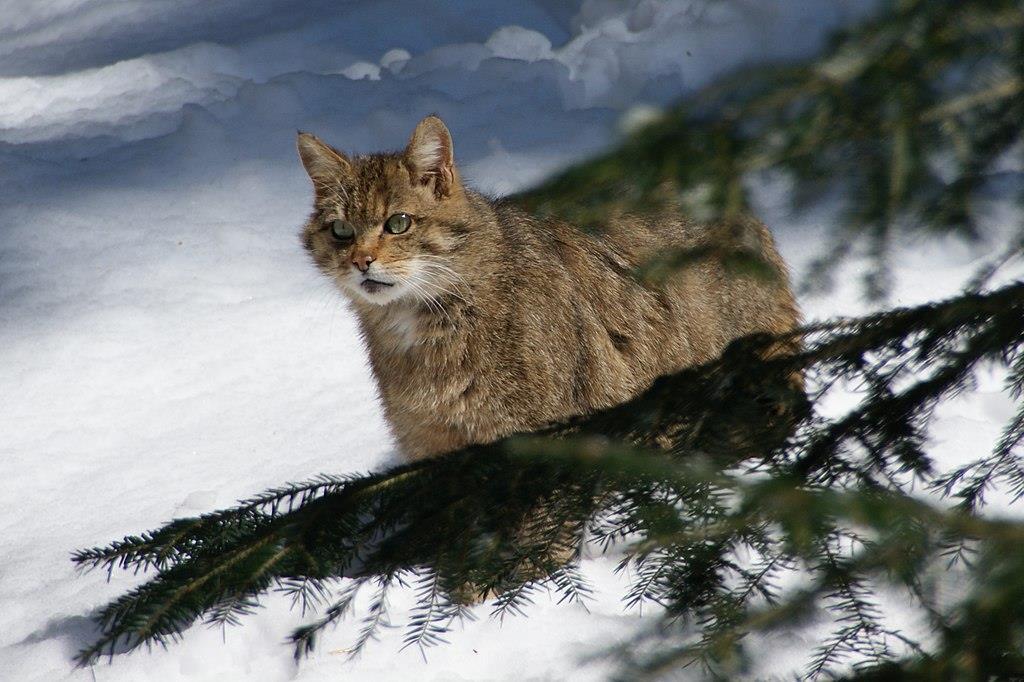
x: 385, y: 225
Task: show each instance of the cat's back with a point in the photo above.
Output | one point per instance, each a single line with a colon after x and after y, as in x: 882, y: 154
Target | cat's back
x: 723, y: 279
x: 655, y: 292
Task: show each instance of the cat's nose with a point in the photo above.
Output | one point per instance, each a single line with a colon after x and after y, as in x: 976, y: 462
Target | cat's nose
x: 362, y: 261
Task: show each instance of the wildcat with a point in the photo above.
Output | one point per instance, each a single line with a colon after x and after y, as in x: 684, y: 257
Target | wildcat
x: 482, y: 320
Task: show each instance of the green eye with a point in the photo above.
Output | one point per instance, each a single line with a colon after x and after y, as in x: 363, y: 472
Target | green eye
x: 342, y: 230
x: 398, y: 223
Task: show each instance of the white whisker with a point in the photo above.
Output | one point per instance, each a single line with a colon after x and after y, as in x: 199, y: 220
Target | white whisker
x: 422, y: 288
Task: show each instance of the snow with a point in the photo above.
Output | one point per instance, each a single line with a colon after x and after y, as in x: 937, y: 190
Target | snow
x: 166, y: 347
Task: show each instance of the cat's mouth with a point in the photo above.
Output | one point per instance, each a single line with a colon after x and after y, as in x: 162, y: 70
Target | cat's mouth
x: 374, y: 286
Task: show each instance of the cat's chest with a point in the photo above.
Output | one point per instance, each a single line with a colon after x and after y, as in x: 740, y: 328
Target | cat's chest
x: 415, y: 350
x: 421, y: 363
x: 398, y: 331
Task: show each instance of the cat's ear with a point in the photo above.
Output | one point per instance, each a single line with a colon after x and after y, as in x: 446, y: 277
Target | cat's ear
x: 323, y: 163
x: 429, y: 156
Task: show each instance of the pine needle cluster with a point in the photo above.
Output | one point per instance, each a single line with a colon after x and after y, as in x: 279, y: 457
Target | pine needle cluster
x: 905, y: 118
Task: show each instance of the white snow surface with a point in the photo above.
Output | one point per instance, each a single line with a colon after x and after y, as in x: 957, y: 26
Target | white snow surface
x: 165, y: 346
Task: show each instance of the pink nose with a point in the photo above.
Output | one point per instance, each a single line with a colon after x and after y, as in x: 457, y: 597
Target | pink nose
x: 362, y: 261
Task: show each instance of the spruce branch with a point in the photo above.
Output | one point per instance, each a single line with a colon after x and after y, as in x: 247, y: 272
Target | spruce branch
x: 875, y: 118
x: 708, y: 466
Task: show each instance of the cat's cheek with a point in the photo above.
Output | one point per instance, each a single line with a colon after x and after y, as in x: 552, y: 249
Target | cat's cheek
x: 339, y: 259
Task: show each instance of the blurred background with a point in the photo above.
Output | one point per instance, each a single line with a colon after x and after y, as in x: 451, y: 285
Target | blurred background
x: 166, y: 348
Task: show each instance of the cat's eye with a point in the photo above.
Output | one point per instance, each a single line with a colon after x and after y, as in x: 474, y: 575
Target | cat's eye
x: 398, y: 223
x: 342, y: 230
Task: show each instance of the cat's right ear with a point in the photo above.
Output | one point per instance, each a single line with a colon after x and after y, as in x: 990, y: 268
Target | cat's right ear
x: 324, y: 164
x: 429, y: 156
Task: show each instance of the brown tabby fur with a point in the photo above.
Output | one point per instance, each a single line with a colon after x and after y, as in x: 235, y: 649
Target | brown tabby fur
x: 500, y: 322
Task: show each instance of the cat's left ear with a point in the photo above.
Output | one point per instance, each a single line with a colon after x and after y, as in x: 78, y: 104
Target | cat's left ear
x: 323, y: 163
x: 429, y: 156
